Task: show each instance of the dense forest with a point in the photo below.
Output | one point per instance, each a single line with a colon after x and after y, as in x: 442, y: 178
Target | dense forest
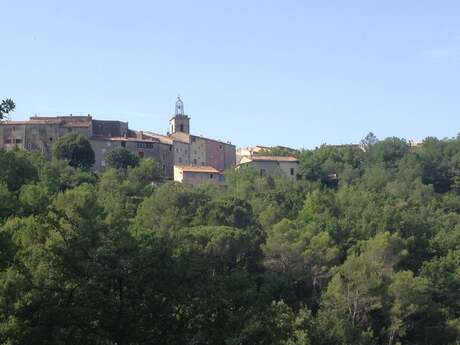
x: 363, y: 249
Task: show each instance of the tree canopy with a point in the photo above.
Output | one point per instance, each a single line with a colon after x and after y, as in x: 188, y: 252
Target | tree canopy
x: 121, y: 158
x: 126, y: 258
x: 76, y: 149
x: 6, y: 106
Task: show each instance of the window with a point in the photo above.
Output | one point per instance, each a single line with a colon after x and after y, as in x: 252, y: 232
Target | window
x: 123, y: 144
x: 181, y: 127
x: 164, y: 168
x: 141, y: 154
x: 292, y: 171
x: 7, y: 141
x: 51, y: 139
x: 18, y: 141
x: 193, y: 139
x: 194, y: 161
x: 211, y: 176
x: 202, y: 163
x: 221, y: 147
x: 149, y: 145
x: 180, y: 159
x: 170, y: 147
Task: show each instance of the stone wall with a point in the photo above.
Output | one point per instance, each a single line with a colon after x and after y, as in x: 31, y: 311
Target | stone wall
x: 105, y: 128
x: 229, y: 156
x: 197, y: 151
x: 181, y: 153
x: 215, y: 154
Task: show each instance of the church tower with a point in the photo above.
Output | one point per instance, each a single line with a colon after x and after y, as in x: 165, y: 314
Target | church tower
x: 179, y: 122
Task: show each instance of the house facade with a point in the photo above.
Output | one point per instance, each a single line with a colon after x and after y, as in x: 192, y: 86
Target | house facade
x: 195, y: 175
x: 272, y: 165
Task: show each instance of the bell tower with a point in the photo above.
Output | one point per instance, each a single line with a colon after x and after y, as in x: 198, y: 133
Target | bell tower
x: 179, y: 122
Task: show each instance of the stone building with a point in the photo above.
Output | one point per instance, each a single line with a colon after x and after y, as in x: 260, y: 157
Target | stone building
x: 140, y: 146
x: 40, y: 133
x: 272, y: 165
x: 196, y: 175
x: 202, y: 151
x: 178, y: 147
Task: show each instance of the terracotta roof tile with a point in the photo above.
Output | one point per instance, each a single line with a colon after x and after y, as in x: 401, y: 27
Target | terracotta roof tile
x: 201, y: 169
x: 101, y: 138
x: 162, y: 138
x: 273, y: 159
x: 66, y: 121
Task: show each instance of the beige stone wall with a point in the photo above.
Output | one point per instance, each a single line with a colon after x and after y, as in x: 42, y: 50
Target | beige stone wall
x: 12, y: 136
x: 178, y: 174
x: 181, y: 153
x: 230, y: 156
x: 166, y: 159
x: 273, y: 168
x: 185, y: 138
x: 290, y: 169
x: 179, y: 123
x: 36, y: 137
x: 198, y: 151
x: 197, y: 178
x: 265, y: 168
x: 143, y: 149
x: 101, y: 147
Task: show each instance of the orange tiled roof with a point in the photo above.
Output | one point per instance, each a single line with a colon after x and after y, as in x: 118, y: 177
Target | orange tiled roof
x: 162, y: 138
x: 66, y: 121
x: 202, y: 169
x: 273, y: 159
x: 102, y: 138
x: 209, y: 139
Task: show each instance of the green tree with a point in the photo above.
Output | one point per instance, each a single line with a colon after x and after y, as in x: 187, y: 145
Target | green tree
x: 16, y: 169
x: 409, y: 297
x: 169, y: 208
x: 58, y: 176
x: 277, y: 151
x: 368, y: 141
x: 76, y: 149
x: 6, y: 107
x: 141, y: 180
x: 34, y: 199
x: 388, y: 151
x: 227, y: 212
x: 8, y: 202
x: 356, y: 294
x: 121, y: 158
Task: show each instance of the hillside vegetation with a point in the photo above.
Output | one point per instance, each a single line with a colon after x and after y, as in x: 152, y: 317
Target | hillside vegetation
x: 364, y: 249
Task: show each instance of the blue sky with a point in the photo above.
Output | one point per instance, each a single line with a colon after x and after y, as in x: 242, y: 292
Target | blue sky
x: 295, y: 73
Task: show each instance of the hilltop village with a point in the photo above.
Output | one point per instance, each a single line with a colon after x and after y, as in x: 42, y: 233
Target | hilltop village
x: 179, y: 154
x: 119, y: 255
